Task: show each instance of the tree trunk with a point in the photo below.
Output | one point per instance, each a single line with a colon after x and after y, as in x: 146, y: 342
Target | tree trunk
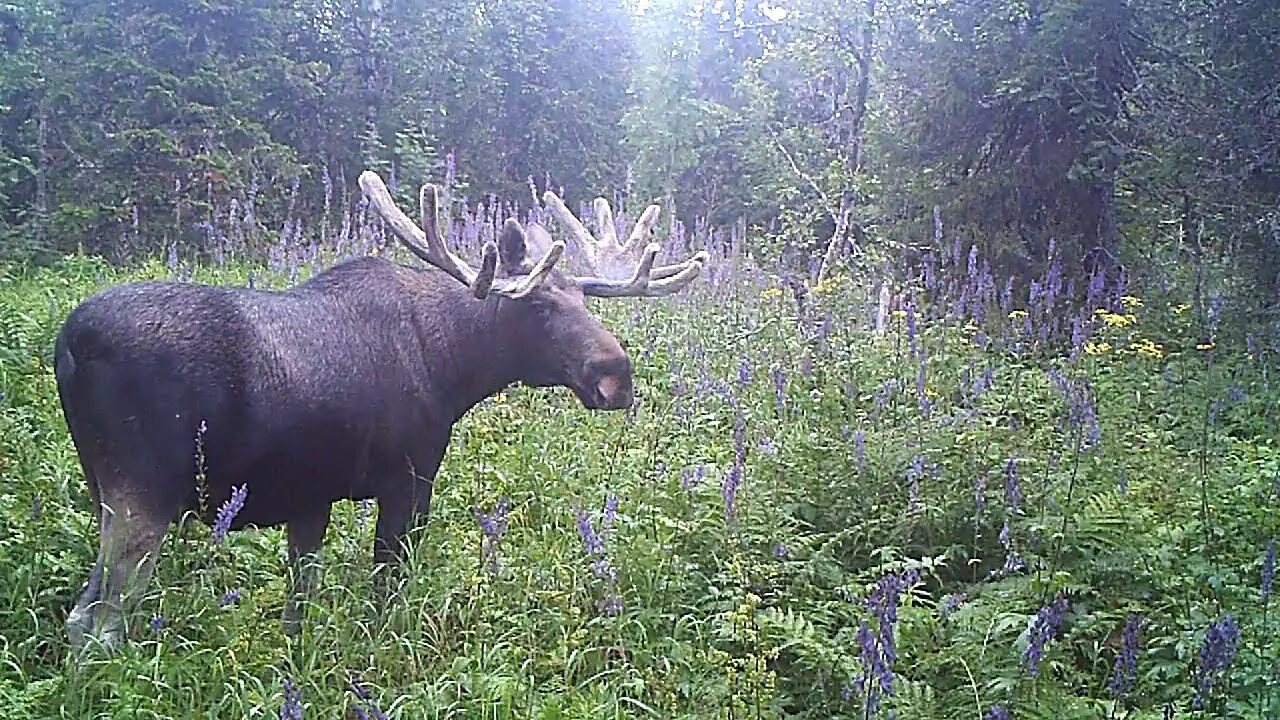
x: 852, y: 153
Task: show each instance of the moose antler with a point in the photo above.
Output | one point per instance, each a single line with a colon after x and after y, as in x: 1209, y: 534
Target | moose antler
x: 426, y: 243
x: 606, y: 253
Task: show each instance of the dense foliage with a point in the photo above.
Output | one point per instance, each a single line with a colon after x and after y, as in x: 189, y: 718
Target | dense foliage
x: 971, y: 415
x: 982, y: 497
x: 1136, y: 132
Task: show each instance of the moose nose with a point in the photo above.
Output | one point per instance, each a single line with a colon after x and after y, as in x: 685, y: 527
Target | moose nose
x: 611, y: 381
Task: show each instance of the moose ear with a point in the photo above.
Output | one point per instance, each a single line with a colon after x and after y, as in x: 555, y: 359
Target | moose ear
x: 511, y: 247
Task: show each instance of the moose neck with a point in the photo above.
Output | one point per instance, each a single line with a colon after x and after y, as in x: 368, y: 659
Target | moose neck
x: 473, y: 358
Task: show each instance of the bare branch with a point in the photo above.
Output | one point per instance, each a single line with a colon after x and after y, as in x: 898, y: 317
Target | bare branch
x: 795, y: 167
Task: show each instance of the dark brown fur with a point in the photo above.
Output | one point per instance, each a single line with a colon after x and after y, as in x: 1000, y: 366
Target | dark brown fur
x: 343, y: 387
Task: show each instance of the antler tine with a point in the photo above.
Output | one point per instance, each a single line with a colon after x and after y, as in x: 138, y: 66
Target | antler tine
x: 577, y: 231
x: 426, y: 245
x: 640, y: 278
x: 481, y: 286
x: 702, y: 257
x: 675, y: 283
x: 657, y: 282
x: 646, y: 281
x: 604, y: 219
x: 643, y: 227
x: 525, y: 285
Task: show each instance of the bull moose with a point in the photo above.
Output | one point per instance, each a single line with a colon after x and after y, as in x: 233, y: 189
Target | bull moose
x: 345, y: 386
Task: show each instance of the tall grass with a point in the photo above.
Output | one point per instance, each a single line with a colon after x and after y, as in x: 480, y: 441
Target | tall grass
x: 804, y: 516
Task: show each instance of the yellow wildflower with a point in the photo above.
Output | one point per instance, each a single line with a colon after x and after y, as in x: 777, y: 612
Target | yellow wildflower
x: 1117, y: 320
x: 771, y: 293
x: 1093, y: 348
x: 1017, y: 314
x: 1206, y: 346
x: 1128, y: 300
x: 1180, y: 309
x: 1148, y: 347
x: 827, y: 285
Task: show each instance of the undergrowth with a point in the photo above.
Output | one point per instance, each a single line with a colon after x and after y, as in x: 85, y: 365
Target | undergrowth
x: 952, y: 516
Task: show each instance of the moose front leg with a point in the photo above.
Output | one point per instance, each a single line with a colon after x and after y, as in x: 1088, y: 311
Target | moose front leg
x: 305, y: 537
x: 406, y: 501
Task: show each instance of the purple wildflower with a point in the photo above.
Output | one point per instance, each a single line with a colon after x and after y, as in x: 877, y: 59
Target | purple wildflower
x: 590, y: 540
x: 1043, y: 628
x: 860, y: 448
x: 984, y: 382
x: 610, y: 511
x: 1082, y: 412
x: 744, y: 372
x: 612, y: 605
x: 951, y: 603
x: 1006, y: 297
x: 593, y: 544
x: 885, y: 393
x: 227, y: 513
x: 157, y: 623
x: 780, y: 387
x: 1268, y: 570
x: 781, y: 551
x: 1079, y: 335
x: 873, y: 668
x: 729, y: 490
x: 494, y: 526
x: 1215, y: 312
x: 929, y: 271
x: 1097, y: 287
x: 878, y: 650
x: 996, y: 712
x: 914, y: 476
x: 291, y: 709
x: 603, y: 569
x: 1126, y: 667
x: 1012, y: 493
x: 230, y: 597
x: 740, y: 438
x: 1012, y: 562
x: 1219, y: 649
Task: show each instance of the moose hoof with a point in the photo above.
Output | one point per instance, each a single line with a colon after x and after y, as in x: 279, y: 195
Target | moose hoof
x: 79, y: 622
x: 291, y: 622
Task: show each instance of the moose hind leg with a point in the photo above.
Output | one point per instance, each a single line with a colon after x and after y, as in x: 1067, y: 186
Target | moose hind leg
x: 306, y: 534
x: 80, y: 619
x: 130, y: 546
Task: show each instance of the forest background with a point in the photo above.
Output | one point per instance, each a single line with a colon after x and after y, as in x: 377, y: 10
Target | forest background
x: 972, y: 414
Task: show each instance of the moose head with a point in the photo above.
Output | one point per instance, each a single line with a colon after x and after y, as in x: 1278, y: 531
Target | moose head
x: 547, y: 322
